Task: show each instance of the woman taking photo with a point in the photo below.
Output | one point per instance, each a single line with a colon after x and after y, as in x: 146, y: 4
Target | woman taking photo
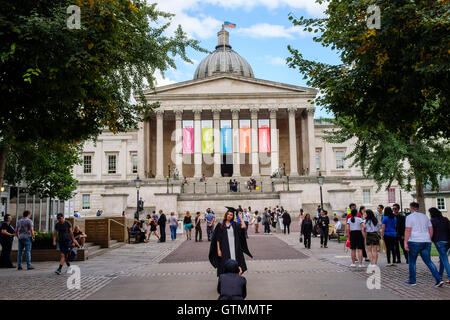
x: 306, y: 230
x: 229, y: 242
x: 372, y: 227
x: 353, y: 228
x: 389, y: 235
x: 187, y: 221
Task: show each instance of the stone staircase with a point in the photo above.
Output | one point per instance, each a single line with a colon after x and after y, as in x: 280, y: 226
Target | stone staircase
x: 94, y: 250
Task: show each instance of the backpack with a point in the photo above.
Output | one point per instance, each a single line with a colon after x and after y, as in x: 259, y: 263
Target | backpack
x: 72, y: 255
x: 258, y: 219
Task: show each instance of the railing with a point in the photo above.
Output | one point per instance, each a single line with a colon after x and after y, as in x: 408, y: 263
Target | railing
x: 215, y: 187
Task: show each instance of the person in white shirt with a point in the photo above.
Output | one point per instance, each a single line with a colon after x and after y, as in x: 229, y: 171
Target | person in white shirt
x: 246, y: 217
x: 418, y: 234
x: 353, y: 229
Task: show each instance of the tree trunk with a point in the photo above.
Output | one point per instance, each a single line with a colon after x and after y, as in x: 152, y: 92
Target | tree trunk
x: 420, y: 196
x: 3, y: 151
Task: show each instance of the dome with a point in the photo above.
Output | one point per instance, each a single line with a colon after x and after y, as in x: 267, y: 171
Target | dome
x: 223, y: 60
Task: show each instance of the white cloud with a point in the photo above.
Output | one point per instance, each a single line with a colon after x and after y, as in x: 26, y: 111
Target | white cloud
x: 266, y: 30
x: 160, y: 81
x: 277, y: 61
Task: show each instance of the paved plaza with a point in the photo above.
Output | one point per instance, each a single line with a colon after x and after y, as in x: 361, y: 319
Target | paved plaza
x: 281, y: 269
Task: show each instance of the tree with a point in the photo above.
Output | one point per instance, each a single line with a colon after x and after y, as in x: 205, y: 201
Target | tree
x: 392, y: 90
x: 387, y: 157
x: 45, y: 167
x: 397, y: 75
x: 66, y: 85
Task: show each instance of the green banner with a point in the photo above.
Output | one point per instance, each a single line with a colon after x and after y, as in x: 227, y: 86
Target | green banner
x: 207, y: 140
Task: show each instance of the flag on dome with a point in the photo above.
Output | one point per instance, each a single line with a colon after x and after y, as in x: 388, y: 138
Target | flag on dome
x: 228, y: 24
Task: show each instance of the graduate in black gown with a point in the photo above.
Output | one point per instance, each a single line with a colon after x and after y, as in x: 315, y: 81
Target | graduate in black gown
x: 220, y: 249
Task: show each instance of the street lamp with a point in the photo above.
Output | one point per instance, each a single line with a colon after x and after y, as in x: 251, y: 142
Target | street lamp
x: 137, y: 182
x: 320, y: 180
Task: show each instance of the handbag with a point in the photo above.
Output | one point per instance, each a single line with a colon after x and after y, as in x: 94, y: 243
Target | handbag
x: 301, y: 239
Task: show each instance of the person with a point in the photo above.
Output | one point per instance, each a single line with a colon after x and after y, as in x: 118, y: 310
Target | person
x: 153, y: 225
x: 319, y: 211
x: 286, y: 217
x: 123, y: 214
x: 418, y: 234
x: 306, y: 230
x: 210, y: 221
x: 361, y: 214
x: 379, y: 214
x: 371, y: 229
x: 324, y: 225
x: 136, y: 228
x: 440, y: 238
x: 198, y: 227
x: 80, y: 237
x: 162, y: 226
x: 300, y: 219
x: 64, y: 233
x: 316, y: 229
x: 231, y: 285
x: 389, y: 235
x: 246, y: 218
x: 25, y: 234
x: 266, y: 221
x: 188, y: 225
x: 7, y: 233
x: 140, y: 205
x: 274, y: 219
x: 203, y: 178
x: 228, y: 242
x: 400, y: 230
x: 173, y: 225
x: 353, y: 229
x: 337, y: 224
x: 256, y: 220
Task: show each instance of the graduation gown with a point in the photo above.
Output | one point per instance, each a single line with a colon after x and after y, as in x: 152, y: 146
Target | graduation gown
x: 240, y: 247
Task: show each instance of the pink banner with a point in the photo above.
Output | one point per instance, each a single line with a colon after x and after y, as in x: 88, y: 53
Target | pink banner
x: 188, y: 140
x: 264, y: 139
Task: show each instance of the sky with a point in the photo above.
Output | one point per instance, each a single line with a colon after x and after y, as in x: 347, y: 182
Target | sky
x: 262, y: 34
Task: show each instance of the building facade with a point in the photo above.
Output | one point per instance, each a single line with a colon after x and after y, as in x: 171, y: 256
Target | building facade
x: 224, y: 124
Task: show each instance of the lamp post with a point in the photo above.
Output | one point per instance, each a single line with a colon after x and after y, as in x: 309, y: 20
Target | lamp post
x: 168, y: 167
x: 137, y: 182
x: 320, y: 180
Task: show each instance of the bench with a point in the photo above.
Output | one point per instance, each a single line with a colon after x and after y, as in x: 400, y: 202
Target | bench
x: 339, y: 233
x: 135, y: 235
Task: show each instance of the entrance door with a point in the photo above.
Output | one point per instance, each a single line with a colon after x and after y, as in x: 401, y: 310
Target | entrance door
x: 227, y: 165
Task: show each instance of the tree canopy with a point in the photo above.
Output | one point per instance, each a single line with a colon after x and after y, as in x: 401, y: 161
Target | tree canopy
x: 66, y: 85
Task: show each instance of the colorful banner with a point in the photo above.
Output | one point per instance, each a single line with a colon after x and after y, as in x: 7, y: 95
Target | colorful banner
x: 207, y: 140
x: 244, y: 140
x: 227, y: 137
x: 264, y: 139
x: 188, y: 140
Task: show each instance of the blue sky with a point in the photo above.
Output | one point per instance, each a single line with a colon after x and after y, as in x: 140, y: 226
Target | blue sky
x: 262, y: 35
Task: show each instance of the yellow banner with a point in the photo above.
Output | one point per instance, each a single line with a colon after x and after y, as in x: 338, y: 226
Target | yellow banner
x: 207, y: 140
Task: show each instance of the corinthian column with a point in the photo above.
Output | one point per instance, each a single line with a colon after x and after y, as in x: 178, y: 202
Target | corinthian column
x: 236, y: 151
x: 159, y: 144
x: 179, y: 141
x: 197, y: 143
x: 274, y: 152
x: 311, y: 142
x: 216, y: 129
x: 292, y: 142
x: 254, y: 134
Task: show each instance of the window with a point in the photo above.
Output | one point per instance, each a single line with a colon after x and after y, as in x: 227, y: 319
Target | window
x: 366, y: 196
x: 440, y: 204
x: 86, y: 201
x: 318, y: 159
x: 340, y: 159
x: 112, y: 164
x: 87, y: 164
x: 391, y: 195
x: 134, y: 161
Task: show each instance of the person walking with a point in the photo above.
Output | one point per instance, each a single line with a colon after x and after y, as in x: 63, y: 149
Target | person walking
x: 25, y: 234
x: 210, y: 221
x: 152, y: 225
x: 64, y: 233
x: 324, y: 225
x: 266, y: 221
x: 306, y: 230
x: 7, y: 233
x: 162, y: 226
x: 400, y: 230
x: 353, y: 228
x: 198, y: 227
x: 389, y: 235
x: 418, y: 234
x: 286, y: 217
x: 187, y: 221
x: 441, y: 238
x: 173, y: 225
x: 371, y: 233
x: 246, y: 218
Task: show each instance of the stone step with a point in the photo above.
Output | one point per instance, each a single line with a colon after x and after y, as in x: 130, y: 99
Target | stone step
x: 97, y: 250
x: 231, y: 196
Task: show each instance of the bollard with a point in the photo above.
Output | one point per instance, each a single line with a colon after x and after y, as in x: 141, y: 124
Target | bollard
x: 205, y: 187
x: 239, y: 187
x: 194, y: 187
x: 287, y: 183
x: 167, y: 185
x: 172, y: 187
x: 217, y: 190
x: 261, y: 186
x: 273, y: 187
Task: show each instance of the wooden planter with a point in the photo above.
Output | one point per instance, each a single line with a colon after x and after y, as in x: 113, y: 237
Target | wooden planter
x: 39, y: 255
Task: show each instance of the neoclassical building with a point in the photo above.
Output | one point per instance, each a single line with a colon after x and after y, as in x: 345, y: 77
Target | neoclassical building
x: 224, y: 124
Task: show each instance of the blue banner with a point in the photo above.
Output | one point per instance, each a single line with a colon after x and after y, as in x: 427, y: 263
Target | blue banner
x: 226, y: 140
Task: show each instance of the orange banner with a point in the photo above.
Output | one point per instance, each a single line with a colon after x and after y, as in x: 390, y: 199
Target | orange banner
x: 244, y: 140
